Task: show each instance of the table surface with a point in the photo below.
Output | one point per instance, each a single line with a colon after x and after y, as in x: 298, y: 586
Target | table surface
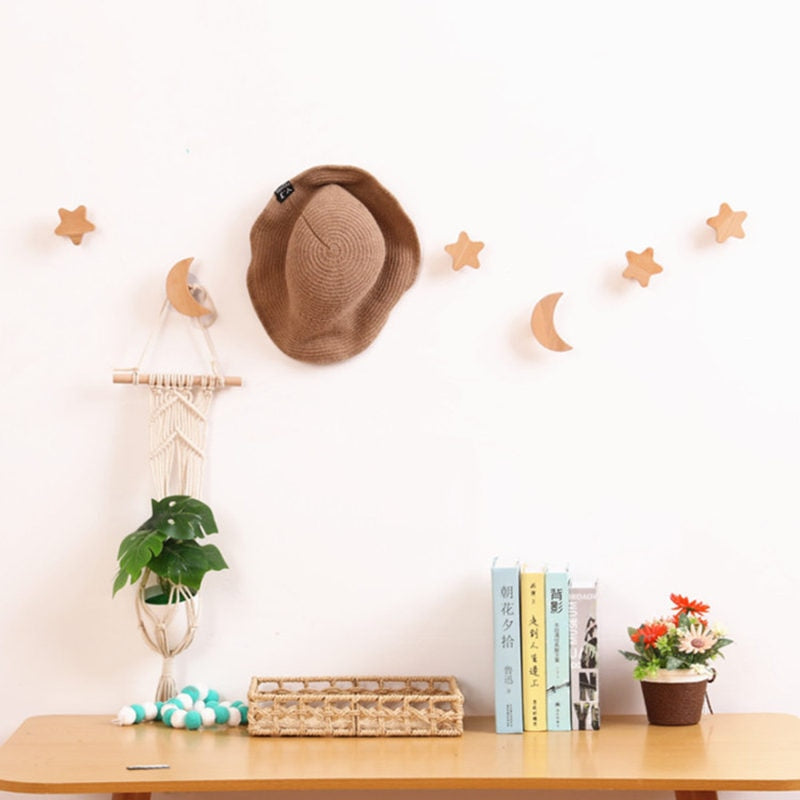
x: 77, y: 754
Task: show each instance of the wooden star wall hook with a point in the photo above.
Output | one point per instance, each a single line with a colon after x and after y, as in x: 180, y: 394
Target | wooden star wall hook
x: 73, y: 224
x: 727, y: 223
x: 641, y: 266
x: 464, y: 252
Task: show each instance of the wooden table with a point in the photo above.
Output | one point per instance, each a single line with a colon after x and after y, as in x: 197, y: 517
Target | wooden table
x: 88, y: 754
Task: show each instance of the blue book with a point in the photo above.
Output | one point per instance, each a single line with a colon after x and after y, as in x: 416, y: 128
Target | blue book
x: 507, y: 651
x: 557, y: 665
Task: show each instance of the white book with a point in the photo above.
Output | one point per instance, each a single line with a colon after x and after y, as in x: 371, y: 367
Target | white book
x: 584, y: 674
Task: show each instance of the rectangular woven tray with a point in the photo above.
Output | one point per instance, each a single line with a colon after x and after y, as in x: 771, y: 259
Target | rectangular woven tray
x: 355, y: 706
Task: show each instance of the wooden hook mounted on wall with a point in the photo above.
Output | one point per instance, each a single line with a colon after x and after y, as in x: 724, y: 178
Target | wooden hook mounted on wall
x: 187, y: 296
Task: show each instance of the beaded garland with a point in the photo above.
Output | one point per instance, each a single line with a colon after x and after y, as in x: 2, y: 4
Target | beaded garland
x: 195, y: 707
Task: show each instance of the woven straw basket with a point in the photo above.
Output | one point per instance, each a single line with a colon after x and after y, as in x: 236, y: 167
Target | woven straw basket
x: 355, y: 706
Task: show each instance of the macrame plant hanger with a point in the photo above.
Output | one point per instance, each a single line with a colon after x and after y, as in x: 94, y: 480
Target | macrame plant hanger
x: 179, y: 407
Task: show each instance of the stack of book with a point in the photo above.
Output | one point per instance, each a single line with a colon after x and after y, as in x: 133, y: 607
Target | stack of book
x: 545, y: 649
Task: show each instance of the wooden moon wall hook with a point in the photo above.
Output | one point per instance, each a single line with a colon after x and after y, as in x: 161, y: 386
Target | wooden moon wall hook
x: 179, y: 292
x: 543, y: 326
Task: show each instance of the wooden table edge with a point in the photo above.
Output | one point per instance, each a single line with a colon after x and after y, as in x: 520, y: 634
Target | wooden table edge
x: 141, y: 787
x: 145, y: 788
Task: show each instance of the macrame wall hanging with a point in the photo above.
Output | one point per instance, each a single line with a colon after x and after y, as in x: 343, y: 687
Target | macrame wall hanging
x: 179, y: 408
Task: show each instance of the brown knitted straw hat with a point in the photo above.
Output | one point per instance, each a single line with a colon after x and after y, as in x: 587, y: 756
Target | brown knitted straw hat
x: 332, y: 253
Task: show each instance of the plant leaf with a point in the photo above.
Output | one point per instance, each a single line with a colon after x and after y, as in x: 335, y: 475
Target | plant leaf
x: 119, y: 581
x: 186, y: 562
x: 134, y: 554
x: 630, y: 656
x: 181, y: 517
x: 214, y: 558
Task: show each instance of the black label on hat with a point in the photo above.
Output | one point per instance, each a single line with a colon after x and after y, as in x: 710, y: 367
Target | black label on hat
x: 283, y: 191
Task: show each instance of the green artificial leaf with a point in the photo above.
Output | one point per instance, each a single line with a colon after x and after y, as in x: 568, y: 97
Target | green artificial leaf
x: 214, y: 558
x: 135, y: 552
x: 181, y: 517
x: 630, y: 656
x: 119, y: 581
x: 186, y: 562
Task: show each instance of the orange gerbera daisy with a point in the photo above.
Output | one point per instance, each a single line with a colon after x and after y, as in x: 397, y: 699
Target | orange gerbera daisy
x: 685, y: 606
x: 649, y: 634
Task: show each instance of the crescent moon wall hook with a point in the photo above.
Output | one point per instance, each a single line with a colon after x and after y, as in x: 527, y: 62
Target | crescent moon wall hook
x: 542, y: 324
x: 179, y: 293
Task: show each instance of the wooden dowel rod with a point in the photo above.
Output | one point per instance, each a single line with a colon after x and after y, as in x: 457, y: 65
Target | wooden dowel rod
x: 197, y: 380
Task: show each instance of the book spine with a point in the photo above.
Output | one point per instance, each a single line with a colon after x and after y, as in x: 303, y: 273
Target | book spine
x: 557, y: 671
x: 584, y: 676
x: 534, y: 690
x: 507, y: 660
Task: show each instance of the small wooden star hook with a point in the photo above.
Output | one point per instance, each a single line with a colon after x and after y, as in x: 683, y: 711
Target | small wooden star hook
x: 641, y: 266
x: 728, y: 223
x: 464, y: 252
x: 73, y: 224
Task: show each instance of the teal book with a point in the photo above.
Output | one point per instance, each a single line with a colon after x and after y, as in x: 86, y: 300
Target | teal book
x: 507, y: 650
x: 557, y: 665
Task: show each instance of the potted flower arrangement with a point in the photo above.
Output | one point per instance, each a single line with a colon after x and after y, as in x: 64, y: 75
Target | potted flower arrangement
x: 672, y: 655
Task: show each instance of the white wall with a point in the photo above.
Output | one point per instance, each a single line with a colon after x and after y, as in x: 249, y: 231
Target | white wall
x: 360, y: 504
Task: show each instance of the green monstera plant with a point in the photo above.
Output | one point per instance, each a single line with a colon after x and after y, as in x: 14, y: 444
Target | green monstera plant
x: 166, y: 546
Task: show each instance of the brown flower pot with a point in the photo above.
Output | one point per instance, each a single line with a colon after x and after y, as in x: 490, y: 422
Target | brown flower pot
x: 674, y: 699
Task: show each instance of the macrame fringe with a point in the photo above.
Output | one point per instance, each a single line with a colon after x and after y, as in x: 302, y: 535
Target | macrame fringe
x: 178, y: 416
